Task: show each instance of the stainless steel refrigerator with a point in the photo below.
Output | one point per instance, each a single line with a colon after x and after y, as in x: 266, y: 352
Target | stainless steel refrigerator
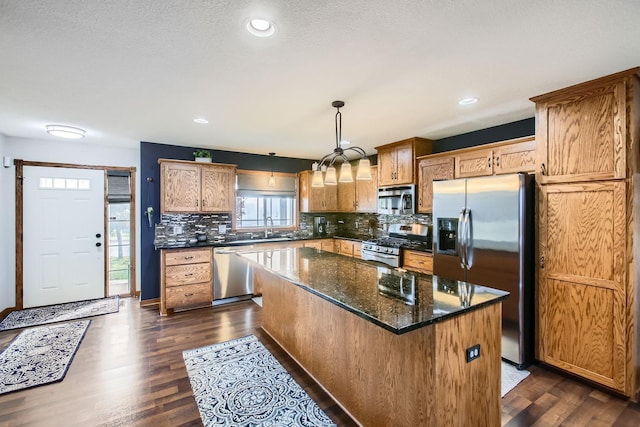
x: 483, y: 234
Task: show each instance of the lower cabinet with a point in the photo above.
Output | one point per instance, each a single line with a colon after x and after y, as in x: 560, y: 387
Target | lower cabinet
x: 186, y: 277
x: 348, y: 247
x: 422, y: 262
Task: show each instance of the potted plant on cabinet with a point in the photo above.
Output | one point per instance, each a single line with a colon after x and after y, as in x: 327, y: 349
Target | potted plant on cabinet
x: 202, y: 155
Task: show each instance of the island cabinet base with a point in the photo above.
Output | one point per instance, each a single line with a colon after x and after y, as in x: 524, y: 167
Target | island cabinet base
x: 419, y: 378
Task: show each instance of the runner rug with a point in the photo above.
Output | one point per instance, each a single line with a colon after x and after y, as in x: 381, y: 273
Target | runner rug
x: 511, y: 377
x: 60, y: 312
x: 240, y: 383
x: 40, y: 355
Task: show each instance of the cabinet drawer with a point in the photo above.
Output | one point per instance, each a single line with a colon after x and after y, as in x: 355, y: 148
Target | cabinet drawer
x: 188, y: 295
x: 187, y: 256
x: 418, y: 261
x: 177, y: 275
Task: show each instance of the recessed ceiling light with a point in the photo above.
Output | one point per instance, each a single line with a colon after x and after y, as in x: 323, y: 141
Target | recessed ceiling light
x: 468, y: 101
x: 261, y: 27
x: 201, y: 121
x: 63, y: 131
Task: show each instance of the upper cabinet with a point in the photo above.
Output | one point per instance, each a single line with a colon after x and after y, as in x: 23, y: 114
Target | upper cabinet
x: 518, y: 155
x: 316, y: 199
x: 511, y: 156
x: 196, y: 187
x: 581, y: 132
x: 359, y: 195
x: 396, y: 161
x: 429, y: 170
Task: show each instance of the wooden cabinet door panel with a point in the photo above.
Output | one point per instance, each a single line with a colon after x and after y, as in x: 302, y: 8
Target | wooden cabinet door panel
x: 187, y: 256
x: 180, y: 187
x: 404, y: 164
x: 515, y: 158
x: 218, y: 189
x: 418, y: 261
x: 475, y: 163
x: 582, y: 280
x: 583, y: 137
x: 386, y: 167
x: 330, y: 198
x: 347, y: 196
x: 430, y: 170
x: 367, y: 193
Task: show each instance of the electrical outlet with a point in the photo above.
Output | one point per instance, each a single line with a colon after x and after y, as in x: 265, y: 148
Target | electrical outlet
x: 473, y: 353
x: 357, y: 225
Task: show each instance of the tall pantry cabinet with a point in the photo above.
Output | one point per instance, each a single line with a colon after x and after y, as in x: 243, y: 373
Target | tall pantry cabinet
x: 587, y: 159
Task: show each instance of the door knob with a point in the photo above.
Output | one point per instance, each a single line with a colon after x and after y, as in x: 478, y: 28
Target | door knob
x: 98, y: 244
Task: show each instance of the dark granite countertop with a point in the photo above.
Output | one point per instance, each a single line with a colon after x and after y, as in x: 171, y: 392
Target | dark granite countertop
x: 182, y: 243
x: 397, y: 300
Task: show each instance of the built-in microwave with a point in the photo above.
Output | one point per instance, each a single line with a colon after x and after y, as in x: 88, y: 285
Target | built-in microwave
x: 400, y: 200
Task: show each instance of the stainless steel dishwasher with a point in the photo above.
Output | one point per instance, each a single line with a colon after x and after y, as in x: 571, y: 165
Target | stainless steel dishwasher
x: 232, y: 275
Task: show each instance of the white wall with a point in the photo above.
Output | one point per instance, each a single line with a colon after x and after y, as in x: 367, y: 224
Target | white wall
x: 78, y: 152
x: 7, y: 267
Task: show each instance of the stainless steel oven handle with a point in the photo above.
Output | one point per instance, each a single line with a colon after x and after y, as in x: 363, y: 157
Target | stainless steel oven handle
x: 401, y: 207
x: 460, y: 237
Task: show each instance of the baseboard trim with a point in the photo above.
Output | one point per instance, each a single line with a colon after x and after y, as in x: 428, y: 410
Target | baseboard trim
x: 149, y: 302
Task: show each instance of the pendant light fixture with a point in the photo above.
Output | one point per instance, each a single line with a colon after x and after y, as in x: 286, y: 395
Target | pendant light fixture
x: 346, y: 175
x: 272, y: 179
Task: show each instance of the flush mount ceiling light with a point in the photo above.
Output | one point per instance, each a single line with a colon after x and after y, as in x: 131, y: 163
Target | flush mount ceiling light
x: 261, y: 27
x: 468, y: 101
x: 62, y: 131
x: 364, y: 166
x: 201, y: 121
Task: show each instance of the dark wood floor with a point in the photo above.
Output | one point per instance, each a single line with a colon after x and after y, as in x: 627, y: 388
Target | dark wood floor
x: 129, y: 371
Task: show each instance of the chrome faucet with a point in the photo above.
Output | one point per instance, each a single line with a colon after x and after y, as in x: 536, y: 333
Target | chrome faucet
x: 266, y: 226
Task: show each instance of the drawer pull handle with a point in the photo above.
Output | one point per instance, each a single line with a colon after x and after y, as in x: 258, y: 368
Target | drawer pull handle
x: 188, y: 295
x: 188, y: 274
x: 189, y: 257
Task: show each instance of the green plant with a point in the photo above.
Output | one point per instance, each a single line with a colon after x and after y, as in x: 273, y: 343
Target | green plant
x: 202, y: 153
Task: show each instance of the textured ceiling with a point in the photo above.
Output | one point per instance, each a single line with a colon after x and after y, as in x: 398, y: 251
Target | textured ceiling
x: 129, y: 71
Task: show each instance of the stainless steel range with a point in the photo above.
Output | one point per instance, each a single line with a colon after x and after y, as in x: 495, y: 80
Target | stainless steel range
x: 388, y: 250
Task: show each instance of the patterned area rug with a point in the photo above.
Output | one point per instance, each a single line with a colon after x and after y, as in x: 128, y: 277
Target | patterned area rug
x: 239, y: 383
x: 40, y: 355
x: 511, y: 377
x: 59, y: 312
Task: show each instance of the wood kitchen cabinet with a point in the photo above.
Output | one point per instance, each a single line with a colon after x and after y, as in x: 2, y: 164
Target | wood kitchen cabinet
x: 431, y: 169
x: 359, y: 195
x: 586, y: 317
x: 349, y: 248
x: 396, y: 161
x: 510, y: 156
x: 196, y: 187
x: 422, y: 262
x: 186, y: 277
x: 518, y: 155
x: 316, y: 199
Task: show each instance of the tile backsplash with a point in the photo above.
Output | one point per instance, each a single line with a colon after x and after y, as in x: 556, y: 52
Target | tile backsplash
x: 176, y: 228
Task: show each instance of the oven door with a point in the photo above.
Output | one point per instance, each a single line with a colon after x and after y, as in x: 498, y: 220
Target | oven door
x: 392, y: 260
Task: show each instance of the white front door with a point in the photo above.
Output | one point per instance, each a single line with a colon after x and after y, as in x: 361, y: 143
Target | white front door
x: 63, y: 235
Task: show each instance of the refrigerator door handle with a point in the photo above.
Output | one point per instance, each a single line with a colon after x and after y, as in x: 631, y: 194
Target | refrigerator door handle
x: 460, y: 236
x: 467, y: 239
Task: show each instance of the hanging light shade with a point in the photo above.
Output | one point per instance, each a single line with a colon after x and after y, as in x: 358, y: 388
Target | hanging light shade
x: 339, y: 153
x: 364, y: 170
x: 272, y: 179
x: 330, y: 177
x: 345, y: 173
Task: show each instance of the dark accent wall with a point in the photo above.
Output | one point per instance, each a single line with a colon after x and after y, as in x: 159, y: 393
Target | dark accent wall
x: 526, y: 127
x: 150, y: 152
x: 150, y: 191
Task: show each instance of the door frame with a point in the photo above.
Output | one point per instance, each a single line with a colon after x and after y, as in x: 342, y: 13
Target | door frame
x: 19, y: 165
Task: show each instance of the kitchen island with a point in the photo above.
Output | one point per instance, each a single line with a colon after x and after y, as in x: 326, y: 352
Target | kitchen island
x: 391, y: 347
